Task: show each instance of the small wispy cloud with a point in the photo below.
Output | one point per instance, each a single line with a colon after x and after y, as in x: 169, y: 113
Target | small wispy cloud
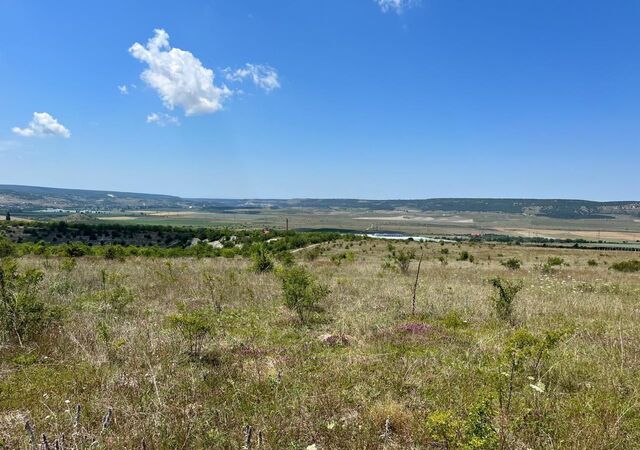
x: 7, y: 145
x: 43, y: 124
x: 163, y: 119
x: 124, y: 90
x: 397, y: 6
x: 263, y: 76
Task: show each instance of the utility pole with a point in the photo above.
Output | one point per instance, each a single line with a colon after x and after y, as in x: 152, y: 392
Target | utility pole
x: 286, y: 221
x: 415, y: 286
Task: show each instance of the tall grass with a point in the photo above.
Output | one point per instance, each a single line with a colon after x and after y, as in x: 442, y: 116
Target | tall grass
x: 451, y: 375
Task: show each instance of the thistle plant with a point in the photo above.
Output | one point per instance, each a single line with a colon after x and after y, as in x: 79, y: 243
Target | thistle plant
x: 504, y: 297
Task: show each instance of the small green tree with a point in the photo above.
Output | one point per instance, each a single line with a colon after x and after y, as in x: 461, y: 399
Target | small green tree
x: 301, y: 291
x: 338, y: 258
x: 473, y: 432
x: 211, y: 283
x: 552, y: 261
x: 262, y: 262
x: 313, y: 253
x: 525, y: 354
x: 464, y: 256
x: 7, y: 248
x: 504, y: 297
x: 194, y: 325
x: 75, y: 249
x: 114, y: 295
x: 22, y: 313
x: 402, y: 259
x: 113, y: 252
x: 520, y: 347
x: 68, y: 264
x: 512, y: 263
x: 119, y: 298
x: 285, y: 258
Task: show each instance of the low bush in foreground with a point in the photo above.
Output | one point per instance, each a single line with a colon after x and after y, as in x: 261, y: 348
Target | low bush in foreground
x: 512, y: 263
x: 627, y: 266
x: 301, y: 291
x: 23, y: 314
x: 262, y: 262
x: 401, y: 259
x: 195, y: 325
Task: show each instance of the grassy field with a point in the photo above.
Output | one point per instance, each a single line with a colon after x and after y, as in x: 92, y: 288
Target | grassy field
x: 361, y: 372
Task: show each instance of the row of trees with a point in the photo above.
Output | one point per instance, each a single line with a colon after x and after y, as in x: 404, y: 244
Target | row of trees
x: 245, y: 247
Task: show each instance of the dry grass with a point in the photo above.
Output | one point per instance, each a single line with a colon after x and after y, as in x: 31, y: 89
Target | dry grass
x: 262, y: 368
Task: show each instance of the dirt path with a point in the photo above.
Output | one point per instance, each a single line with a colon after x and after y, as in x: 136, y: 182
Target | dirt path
x: 305, y: 248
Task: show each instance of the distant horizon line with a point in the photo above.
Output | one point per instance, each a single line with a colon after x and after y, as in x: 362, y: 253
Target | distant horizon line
x: 112, y: 191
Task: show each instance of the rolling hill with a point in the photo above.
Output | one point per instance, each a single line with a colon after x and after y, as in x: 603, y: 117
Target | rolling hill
x: 30, y: 198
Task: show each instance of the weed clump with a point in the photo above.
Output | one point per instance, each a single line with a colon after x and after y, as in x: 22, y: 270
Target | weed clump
x: 476, y: 431
x: 391, y: 417
x: 453, y: 320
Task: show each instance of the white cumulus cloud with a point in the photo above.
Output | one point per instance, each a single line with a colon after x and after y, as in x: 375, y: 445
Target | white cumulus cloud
x: 265, y: 77
x: 397, y: 6
x: 43, y: 124
x: 179, y: 77
x: 162, y: 119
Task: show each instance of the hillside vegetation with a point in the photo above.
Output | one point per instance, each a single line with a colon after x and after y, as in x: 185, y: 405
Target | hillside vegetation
x: 29, y: 198
x: 323, y: 348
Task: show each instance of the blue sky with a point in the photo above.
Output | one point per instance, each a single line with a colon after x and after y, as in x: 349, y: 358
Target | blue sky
x: 323, y: 98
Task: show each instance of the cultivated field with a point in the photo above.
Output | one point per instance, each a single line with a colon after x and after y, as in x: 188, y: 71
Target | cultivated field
x: 118, y: 368
x: 619, y: 228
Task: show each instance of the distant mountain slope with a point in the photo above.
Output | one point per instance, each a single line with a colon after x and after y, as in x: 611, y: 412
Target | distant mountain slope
x: 544, y: 207
x: 569, y: 209
x: 35, y: 197
x: 27, y: 198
